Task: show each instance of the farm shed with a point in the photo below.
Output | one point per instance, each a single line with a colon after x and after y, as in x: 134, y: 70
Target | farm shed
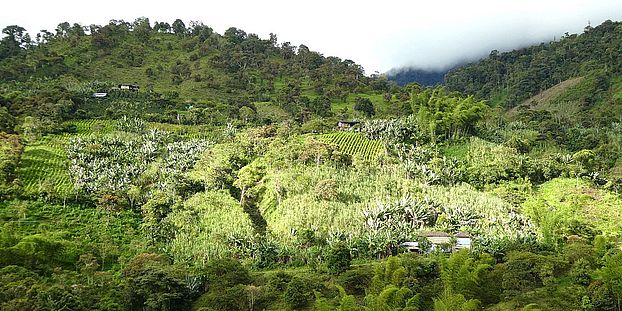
x: 347, y: 125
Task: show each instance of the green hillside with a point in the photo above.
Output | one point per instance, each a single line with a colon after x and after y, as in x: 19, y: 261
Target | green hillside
x: 224, y: 182
x: 185, y: 74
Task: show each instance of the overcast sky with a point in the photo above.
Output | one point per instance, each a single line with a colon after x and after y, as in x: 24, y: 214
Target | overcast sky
x: 379, y: 35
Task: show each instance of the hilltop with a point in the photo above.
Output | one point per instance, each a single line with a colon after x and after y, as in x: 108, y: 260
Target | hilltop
x: 177, y: 67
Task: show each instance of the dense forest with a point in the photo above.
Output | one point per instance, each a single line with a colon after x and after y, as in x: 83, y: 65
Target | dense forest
x: 157, y: 166
x: 510, y: 78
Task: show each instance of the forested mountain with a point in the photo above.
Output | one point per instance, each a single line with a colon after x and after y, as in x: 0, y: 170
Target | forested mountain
x: 510, y: 78
x: 165, y: 167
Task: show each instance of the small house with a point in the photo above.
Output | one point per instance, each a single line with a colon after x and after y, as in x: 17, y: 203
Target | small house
x: 463, y: 240
x: 347, y: 125
x: 129, y: 87
x: 99, y: 95
x: 440, y: 241
x: 438, y: 237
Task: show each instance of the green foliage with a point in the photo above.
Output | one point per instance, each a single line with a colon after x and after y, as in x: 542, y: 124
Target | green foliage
x: 339, y: 258
x: 356, y: 280
x: 298, y: 293
x: 153, y: 284
x: 449, y: 302
x: 403, y: 130
x: 560, y: 204
x: 611, y: 275
x: 524, y: 271
x: 204, y: 227
x: 7, y: 121
x: 461, y: 273
x: 222, y: 273
x: 217, y: 167
x: 131, y: 125
x: 446, y: 114
x: 364, y: 106
x: 11, y: 150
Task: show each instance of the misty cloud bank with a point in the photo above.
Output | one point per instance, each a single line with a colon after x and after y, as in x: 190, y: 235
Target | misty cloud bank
x: 445, y: 45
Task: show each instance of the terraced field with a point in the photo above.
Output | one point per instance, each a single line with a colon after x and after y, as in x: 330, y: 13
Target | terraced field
x: 355, y: 144
x: 43, y: 168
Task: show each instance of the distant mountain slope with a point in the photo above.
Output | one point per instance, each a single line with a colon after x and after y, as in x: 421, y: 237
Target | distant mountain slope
x: 510, y: 78
x: 422, y: 77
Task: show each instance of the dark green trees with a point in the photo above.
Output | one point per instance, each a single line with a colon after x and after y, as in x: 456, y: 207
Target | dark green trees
x: 154, y: 284
x: 339, y: 258
x: 365, y: 106
x: 16, y: 38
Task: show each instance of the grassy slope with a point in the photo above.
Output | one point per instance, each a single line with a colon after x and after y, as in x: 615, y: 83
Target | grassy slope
x: 541, y: 100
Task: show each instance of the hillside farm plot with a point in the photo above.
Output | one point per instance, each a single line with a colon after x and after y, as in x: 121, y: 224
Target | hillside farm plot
x: 91, y: 126
x: 355, y: 144
x: 43, y: 167
x: 44, y: 164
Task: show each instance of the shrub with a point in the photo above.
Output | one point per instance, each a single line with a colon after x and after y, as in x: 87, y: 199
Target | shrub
x: 356, y: 281
x: 326, y: 190
x: 298, y: 293
x: 225, y: 299
x: 339, y: 258
x: 226, y: 273
x: 154, y: 284
x: 365, y: 106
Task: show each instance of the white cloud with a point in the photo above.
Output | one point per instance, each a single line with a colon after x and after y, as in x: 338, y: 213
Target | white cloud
x: 379, y: 35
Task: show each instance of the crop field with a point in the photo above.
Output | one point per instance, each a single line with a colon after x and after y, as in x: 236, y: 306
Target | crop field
x: 186, y: 131
x: 355, y: 144
x: 43, y: 168
x: 91, y: 126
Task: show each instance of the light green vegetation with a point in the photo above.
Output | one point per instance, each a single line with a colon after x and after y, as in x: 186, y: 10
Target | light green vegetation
x: 299, y: 198
x: 206, y: 226
x: 43, y: 168
x: 564, y: 203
